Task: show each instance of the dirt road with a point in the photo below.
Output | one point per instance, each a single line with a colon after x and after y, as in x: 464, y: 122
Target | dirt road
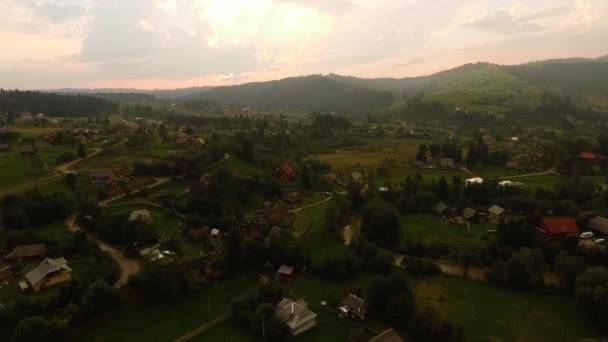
x: 127, y: 266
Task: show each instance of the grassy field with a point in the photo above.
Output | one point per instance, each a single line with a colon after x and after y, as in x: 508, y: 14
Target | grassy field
x: 165, y: 223
x: 428, y: 228
x: 310, y: 220
x: 123, y: 156
x: 236, y: 165
x: 137, y: 320
x: 18, y: 169
x: 489, y: 313
x: 315, y: 237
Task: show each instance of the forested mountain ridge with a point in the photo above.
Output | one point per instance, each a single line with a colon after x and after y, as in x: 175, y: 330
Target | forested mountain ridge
x: 55, y: 104
x: 315, y: 93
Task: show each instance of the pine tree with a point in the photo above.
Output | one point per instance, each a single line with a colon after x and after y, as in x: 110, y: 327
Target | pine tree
x: 81, y: 151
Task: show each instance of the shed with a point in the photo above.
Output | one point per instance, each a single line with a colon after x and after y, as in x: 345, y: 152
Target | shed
x: 27, y: 252
x: 284, y: 272
x: 388, y: 335
x: 469, y: 213
x: 599, y: 224
x: 495, y: 213
x: 440, y: 208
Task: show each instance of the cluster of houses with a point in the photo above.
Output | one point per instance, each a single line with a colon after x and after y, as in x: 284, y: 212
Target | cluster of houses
x: 48, y: 273
x: 183, y: 140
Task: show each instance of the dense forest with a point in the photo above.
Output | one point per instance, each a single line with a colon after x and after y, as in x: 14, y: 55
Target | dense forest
x: 54, y: 104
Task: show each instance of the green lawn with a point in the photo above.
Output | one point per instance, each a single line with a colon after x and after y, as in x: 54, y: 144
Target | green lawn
x: 136, y: 320
x: 238, y: 166
x: 310, y: 219
x: 18, y: 169
x: 165, y: 223
x: 490, y: 313
x: 428, y: 228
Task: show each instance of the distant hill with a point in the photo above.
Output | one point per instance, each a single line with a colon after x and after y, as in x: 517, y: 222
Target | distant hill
x: 125, y: 93
x: 314, y: 93
x: 481, y: 84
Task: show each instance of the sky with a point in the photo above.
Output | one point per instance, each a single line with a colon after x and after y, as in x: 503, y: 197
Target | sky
x: 148, y: 44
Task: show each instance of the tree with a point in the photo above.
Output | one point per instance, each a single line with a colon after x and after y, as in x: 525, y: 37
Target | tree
x: 525, y: 269
x: 163, y: 133
x: 232, y: 257
x: 32, y: 329
x: 592, y: 293
x: 99, y: 297
x: 569, y: 267
x: 468, y: 255
x: 71, y: 180
x: 380, y: 223
x: 81, y: 150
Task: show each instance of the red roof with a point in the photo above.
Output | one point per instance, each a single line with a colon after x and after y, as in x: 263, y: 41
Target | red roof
x: 591, y: 156
x: 200, y: 232
x: 287, y: 170
x: 559, y: 226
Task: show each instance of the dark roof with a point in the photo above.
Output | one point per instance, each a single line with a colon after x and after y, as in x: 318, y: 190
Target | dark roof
x: 388, y: 335
x: 103, y: 173
x: 440, y: 208
x: 27, y: 251
x: 199, y: 232
x: 599, y: 224
x: 559, y: 225
x: 354, y: 303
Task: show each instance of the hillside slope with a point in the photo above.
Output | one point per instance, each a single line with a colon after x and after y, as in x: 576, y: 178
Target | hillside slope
x: 314, y: 93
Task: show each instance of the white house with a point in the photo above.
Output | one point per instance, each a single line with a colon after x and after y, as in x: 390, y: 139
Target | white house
x: 296, y: 316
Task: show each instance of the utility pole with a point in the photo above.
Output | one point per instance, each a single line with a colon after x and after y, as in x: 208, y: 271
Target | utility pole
x: 263, y: 331
x: 209, y: 305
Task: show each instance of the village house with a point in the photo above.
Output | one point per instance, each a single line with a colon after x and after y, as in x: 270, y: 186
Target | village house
x: 27, y: 252
x: 388, y: 335
x: 102, y: 176
x: 446, y: 162
x: 285, y: 173
x: 495, y: 214
x: 141, y: 215
x: 599, y: 224
x: 354, y: 307
x: 591, y: 156
x: 558, y: 226
x: 284, y: 272
x: 48, y: 273
x: 29, y: 150
x: 293, y: 198
x: 199, y: 233
x: 469, y: 214
x: 187, y: 142
x: 6, y: 147
x: 442, y: 210
x: 475, y: 180
x: 356, y: 177
x: 296, y: 316
x: 6, y: 274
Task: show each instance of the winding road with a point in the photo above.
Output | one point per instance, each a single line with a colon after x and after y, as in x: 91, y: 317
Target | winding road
x: 127, y: 266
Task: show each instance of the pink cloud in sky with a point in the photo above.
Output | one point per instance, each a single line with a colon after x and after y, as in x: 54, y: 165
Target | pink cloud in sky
x: 169, y: 43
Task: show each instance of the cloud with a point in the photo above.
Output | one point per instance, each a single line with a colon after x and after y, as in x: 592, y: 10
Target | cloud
x: 333, y: 7
x: 504, y: 23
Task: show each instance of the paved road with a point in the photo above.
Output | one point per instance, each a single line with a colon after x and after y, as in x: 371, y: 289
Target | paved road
x: 127, y: 266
